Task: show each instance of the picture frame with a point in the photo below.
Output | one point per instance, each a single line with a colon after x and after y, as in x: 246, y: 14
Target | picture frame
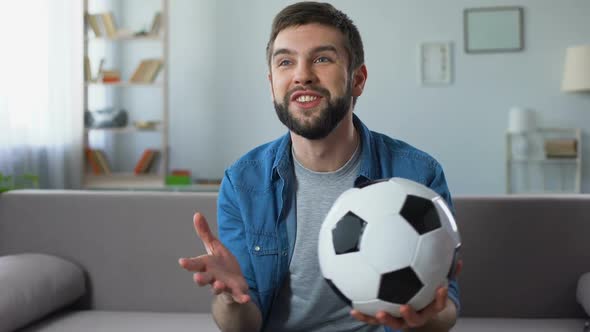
x: 435, y: 63
x: 493, y: 29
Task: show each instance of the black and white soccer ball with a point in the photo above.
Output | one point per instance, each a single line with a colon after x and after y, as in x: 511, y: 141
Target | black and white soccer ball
x: 388, y: 243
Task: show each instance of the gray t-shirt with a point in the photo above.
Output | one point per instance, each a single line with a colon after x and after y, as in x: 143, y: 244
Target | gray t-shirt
x: 305, y: 301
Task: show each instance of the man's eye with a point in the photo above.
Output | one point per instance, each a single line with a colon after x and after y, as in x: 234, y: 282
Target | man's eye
x: 322, y: 59
x: 284, y: 63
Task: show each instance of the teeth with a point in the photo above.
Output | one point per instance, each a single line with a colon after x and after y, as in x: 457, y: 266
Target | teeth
x: 306, y: 98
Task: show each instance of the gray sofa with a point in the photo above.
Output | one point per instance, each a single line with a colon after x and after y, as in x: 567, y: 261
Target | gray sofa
x: 127, y: 244
x: 523, y: 257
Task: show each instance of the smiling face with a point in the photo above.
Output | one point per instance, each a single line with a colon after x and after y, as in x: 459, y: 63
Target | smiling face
x: 310, y: 81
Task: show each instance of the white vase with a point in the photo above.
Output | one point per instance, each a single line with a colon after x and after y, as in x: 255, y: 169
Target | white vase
x: 521, y: 120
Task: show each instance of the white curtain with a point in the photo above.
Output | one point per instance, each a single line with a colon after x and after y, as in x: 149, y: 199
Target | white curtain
x: 41, y: 90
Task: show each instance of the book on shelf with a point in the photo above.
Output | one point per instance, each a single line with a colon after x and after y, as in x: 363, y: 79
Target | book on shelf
x: 87, y: 69
x: 152, y: 162
x: 146, y: 71
x: 111, y: 76
x: 108, y: 21
x: 102, y: 161
x: 181, y: 172
x: 561, y: 148
x: 97, y: 161
x: 156, y: 24
x: 93, y: 21
x: 146, y: 161
x: 92, y: 162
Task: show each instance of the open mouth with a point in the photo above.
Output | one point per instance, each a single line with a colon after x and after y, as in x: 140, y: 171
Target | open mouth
x: 306, y: 99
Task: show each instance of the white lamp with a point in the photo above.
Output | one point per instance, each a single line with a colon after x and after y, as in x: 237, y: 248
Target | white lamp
x: 576, y: 71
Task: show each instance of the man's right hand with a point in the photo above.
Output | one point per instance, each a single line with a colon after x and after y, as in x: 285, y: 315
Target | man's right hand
x: 219, y: 268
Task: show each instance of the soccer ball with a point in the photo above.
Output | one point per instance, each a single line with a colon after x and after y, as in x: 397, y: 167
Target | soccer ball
x: 388, y: 243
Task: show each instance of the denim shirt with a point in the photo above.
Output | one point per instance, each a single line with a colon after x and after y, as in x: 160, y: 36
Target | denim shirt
x: 256, y: 204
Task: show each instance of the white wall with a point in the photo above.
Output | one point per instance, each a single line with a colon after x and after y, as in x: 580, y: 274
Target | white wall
x: 221, y: 106
x: 193, y: 105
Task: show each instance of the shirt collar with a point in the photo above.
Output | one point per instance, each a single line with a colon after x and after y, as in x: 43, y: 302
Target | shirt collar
x: 282, y: 162
x: 369, y: 168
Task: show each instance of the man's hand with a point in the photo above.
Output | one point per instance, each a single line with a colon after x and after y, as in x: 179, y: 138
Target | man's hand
x: 416, y: 319
x: 219, y: 268
x: 410, y: 317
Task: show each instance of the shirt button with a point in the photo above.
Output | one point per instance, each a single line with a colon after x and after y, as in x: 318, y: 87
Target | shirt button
x: 257, y: 248
x: 284, y: 253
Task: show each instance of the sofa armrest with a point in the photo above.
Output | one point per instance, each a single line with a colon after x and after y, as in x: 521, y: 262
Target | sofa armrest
x: 583, y: 292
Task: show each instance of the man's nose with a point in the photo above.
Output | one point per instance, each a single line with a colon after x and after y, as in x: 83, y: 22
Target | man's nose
x: 304, y: 74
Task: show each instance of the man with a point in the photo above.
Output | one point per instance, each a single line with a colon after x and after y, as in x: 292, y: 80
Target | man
x: 264, y: 266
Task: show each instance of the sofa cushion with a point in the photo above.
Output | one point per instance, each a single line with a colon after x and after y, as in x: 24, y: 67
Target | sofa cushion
x: 121, y: 321
x: 518, y: 325
x: 34, y: 285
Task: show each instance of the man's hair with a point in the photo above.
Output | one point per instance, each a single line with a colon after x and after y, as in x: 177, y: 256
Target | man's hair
x: 322, y: 13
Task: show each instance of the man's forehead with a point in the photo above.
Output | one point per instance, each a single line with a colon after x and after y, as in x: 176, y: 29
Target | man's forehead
x: 307, y: 37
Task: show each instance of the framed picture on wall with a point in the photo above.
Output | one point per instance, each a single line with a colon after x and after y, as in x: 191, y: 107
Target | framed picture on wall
x: 493, y: 29
x: 436, y: 66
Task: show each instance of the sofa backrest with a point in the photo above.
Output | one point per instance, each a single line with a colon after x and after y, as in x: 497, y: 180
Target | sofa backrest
x: 128, y: 242
x: 523, y: 255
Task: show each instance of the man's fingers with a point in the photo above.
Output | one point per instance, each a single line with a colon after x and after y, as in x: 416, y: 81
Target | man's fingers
x: 195, y: 264
x: 388, y: 320
x: 218, y: 287
x: 241, y: 299
x: 229, y: 284
x: 237, y: 294
x: 415, y: 319
x: 203, y: 278
x: 364, y: 318
x: 204, y: 232
x: 412, y: 318
x: 441, y: 299
x: 238, y: 290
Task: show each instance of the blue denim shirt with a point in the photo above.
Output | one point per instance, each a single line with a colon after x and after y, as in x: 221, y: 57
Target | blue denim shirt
x: 256, y: 204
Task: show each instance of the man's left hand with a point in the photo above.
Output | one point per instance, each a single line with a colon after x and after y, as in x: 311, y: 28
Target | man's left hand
x: 410, y: 317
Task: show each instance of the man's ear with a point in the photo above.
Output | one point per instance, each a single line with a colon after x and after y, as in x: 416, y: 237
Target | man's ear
x: 359, y: 78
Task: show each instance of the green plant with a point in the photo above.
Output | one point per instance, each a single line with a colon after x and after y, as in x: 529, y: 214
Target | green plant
x: 27, y: 180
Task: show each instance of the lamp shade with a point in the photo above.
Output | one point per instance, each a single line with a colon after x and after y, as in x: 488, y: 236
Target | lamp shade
x: 576, y: 72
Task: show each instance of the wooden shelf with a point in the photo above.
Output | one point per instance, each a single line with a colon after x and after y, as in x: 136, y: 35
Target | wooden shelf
x: 124, y: 52
x: 127, y: 38
x: 527, y: 163
x: 126, y: 84
x: 123, y: 181
x: 143, y: 182
x: 572, y: 161
x: 129, y: 129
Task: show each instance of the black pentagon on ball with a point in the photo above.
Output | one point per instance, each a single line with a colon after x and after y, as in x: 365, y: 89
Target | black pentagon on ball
x: 421, y: 214
x: 347, y: 233
x: 399, y: 286
x: 366, y: 183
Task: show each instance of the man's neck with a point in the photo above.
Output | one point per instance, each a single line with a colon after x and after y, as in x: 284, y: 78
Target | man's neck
x: 330, y: 153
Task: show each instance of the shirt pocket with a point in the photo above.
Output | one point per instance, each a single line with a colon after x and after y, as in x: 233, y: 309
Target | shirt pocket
x: 264, y: 254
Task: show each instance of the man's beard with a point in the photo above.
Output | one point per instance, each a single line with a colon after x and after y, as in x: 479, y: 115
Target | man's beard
x: 321, y: 126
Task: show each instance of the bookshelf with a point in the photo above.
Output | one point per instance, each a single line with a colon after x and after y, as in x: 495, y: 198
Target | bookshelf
x: 119, y: 36
x: 544, y: 161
